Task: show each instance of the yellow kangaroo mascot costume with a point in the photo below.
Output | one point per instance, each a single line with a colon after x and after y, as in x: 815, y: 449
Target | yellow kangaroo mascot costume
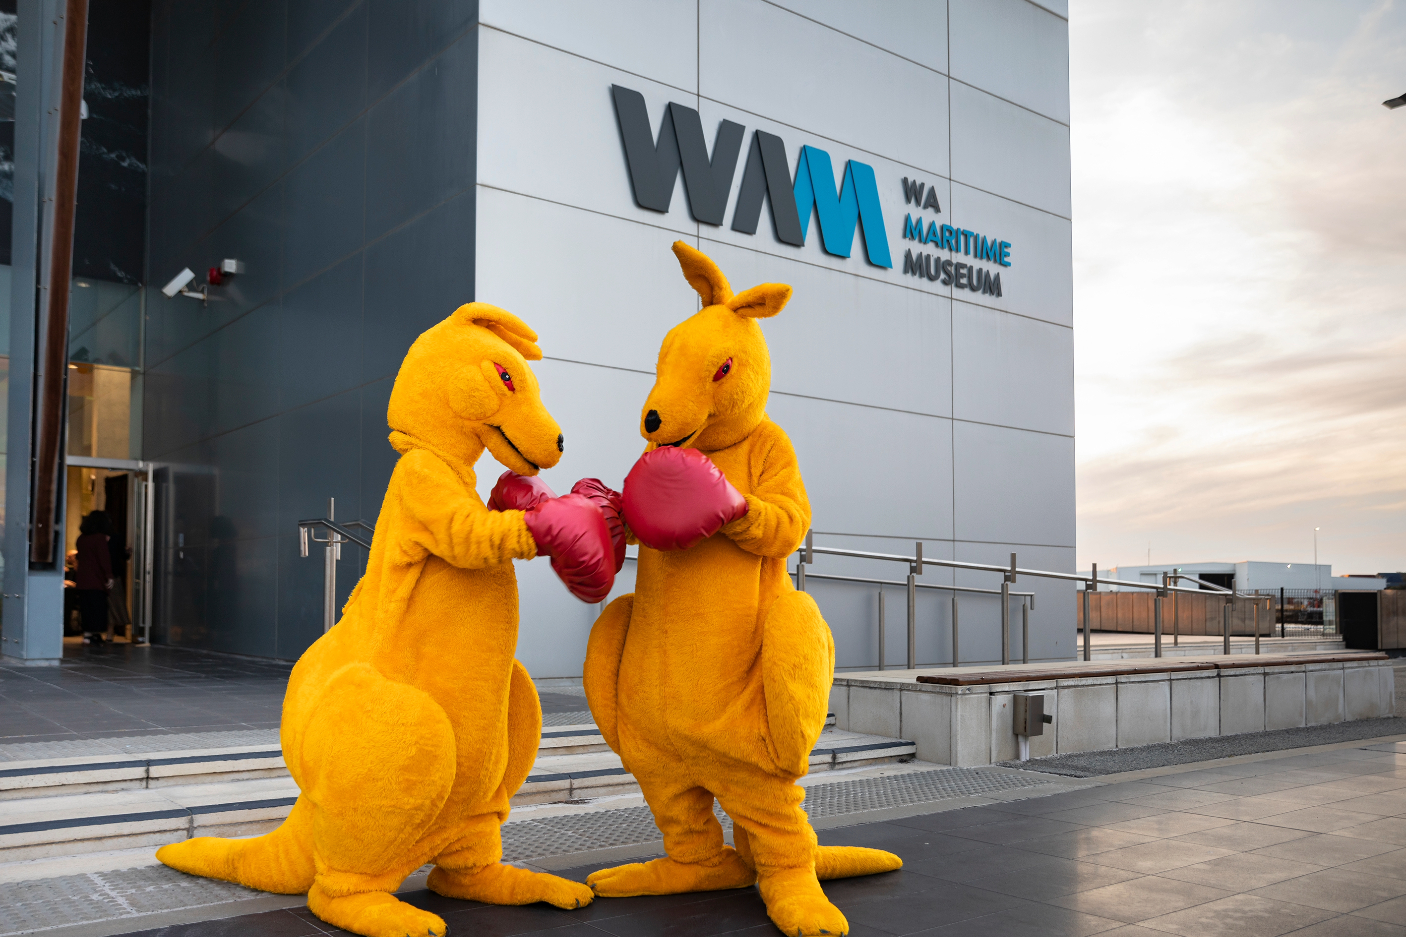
x: 409, y: 725
x: 712, y: 680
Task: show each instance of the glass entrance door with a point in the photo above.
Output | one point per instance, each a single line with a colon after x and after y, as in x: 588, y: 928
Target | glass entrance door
x: 110, y: 498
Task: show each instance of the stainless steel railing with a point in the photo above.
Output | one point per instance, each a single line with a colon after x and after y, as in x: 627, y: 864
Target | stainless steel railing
x: 337, y: 534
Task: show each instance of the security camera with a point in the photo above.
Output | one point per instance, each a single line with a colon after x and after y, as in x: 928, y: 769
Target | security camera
x: 178, y: 283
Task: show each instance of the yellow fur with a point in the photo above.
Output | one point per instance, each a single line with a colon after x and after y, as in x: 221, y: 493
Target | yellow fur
x: 409, y: 725
x: 713, y: 678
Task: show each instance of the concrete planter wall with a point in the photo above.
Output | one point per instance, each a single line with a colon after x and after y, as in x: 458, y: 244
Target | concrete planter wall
x: 971, y: 725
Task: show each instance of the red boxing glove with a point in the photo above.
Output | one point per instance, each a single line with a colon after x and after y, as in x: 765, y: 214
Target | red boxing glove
x: 516, y: 492
x: 610, y: 506
x: 571, y: 530
x: 675, y: 498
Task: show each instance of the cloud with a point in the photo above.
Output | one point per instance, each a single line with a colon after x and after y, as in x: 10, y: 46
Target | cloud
x: 1240, y: 279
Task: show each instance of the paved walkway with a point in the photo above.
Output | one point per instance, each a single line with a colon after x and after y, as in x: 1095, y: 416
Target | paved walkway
x: 1307, y: 842
x: 119, y: 690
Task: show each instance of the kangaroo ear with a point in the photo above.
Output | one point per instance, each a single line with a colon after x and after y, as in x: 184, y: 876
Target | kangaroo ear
x: 503, y: 324
x: 760, y: 302
x: 703, y: 275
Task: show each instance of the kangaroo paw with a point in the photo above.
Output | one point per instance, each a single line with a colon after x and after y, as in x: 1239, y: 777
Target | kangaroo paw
x: 796, y: 905
x: 667, y: 877
x: 506, y: 884
x: 849, y: 861
x: 374, y: 914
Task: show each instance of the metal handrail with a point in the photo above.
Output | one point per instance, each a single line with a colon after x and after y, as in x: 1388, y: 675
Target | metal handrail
x: 921, y: 585
x: 337, y: 534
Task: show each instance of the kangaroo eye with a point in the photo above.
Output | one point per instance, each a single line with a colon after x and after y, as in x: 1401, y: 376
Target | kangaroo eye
x: 505, y: 377
x: 723, y: 371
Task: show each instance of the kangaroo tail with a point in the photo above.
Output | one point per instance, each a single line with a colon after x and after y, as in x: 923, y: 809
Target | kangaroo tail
x: 849, y: 861
x: 279, y: 862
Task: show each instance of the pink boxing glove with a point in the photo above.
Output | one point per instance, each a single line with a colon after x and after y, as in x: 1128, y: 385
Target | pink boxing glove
x: 515, y: 492
x: 675, y: 498
x: 572, y: 531
x: 608, y: 500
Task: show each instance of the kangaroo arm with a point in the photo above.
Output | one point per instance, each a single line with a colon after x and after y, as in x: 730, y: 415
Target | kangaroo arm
x: 778, y: 511
x: 445, y: 518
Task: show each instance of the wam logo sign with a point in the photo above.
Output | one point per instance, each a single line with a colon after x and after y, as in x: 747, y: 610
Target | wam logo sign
x: 654, y: 164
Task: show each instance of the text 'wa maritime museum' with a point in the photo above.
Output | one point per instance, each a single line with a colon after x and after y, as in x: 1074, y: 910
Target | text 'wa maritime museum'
x: 355, y: 171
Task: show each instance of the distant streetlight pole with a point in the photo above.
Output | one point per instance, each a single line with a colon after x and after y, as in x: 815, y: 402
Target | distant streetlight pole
x: 1317, y: 580
x: 1394, y: 103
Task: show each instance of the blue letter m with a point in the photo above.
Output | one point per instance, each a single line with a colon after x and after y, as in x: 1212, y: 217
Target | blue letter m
x: 856, y: 201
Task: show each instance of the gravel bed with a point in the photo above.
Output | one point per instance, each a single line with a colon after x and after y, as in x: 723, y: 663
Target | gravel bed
x: 1115, y: 761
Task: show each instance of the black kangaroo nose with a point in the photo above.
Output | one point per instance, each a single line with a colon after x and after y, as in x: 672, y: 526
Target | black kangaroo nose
x: 561, y: 442
x: 652, y: 421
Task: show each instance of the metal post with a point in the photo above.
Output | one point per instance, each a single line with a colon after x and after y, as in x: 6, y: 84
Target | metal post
x: 1257, y: 624
x: 882, y: 655
x: 1024, y: 633
x: 1225, y: 627
x: 801, y: 571
x: 329, y: 572
x: 1157, y: 620
x: 1091, y: 587
x: 1281, y: 613
x: 912, y: 619
x: 955, y: 655
x: 1005, y: 621
x: 1176, y: 609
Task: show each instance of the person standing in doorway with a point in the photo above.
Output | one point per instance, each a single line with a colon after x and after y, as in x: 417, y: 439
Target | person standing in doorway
x: 94, y: 576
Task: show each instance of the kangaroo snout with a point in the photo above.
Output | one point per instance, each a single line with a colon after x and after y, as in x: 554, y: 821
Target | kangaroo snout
x: 652, y: 421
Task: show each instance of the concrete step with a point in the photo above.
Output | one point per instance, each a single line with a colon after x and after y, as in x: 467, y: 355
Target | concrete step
x: 39, y: 822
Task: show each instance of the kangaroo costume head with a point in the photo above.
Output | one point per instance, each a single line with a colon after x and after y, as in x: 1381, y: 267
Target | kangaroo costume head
x: 465, y: 385
x: 714, y: 371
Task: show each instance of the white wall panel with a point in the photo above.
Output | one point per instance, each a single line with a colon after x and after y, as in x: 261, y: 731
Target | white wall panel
x: 914, y: 29
x: 546, y: 127
x: 849, y: 338
x: 1011, y: 370
x: 1012, y: 486
x: 1040, y: 280
x: 654, y: 38
x: 1014, y: 50
x: 776, y: 64
x: 1009, y: 151
x: 871, y: 471
x: 586, y: 304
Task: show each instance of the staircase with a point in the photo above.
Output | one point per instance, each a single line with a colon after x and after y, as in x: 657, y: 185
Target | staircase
x: 60, y: 808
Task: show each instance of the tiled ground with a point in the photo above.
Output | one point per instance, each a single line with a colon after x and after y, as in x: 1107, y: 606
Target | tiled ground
x: 1307, y: 844
x: 120, y: 689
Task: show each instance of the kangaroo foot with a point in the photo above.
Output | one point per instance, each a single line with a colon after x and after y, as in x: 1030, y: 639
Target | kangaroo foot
x: 849, y: 861
x: 667, y: 877
x: 506, y: 884
x: 795, y: 903
x: 374, y: 914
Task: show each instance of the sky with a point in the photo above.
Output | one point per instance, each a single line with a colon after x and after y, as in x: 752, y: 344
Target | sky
x: 1240, y: 281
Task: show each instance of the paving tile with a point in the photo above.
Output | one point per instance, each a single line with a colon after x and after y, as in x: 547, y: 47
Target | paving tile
x: 1158, y: 856
x: 1242, y: 872
x: 1350, y: 925
x: 1382, y: 830
x: 1249, y: 787
x: 1046, y: 877
x: 1243, y: 808
x: 1083, y: 842
x: 1388, y: 804
x: 1170, y: 824
x: 1105, y: 814
x: 1318, y: 819
x: 1392, y: 911
x: 1139, y: 899
x: 1179, y: 798
x: 951, y: 819
x: 1028, y: 921
x: 1326, y: 849
x: 1239, y: 916
x: 1369, y: 783
x: 1309, y: 795
x: 1390, y: 864
x: 1243, y: 836
x: 1337, y: 889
